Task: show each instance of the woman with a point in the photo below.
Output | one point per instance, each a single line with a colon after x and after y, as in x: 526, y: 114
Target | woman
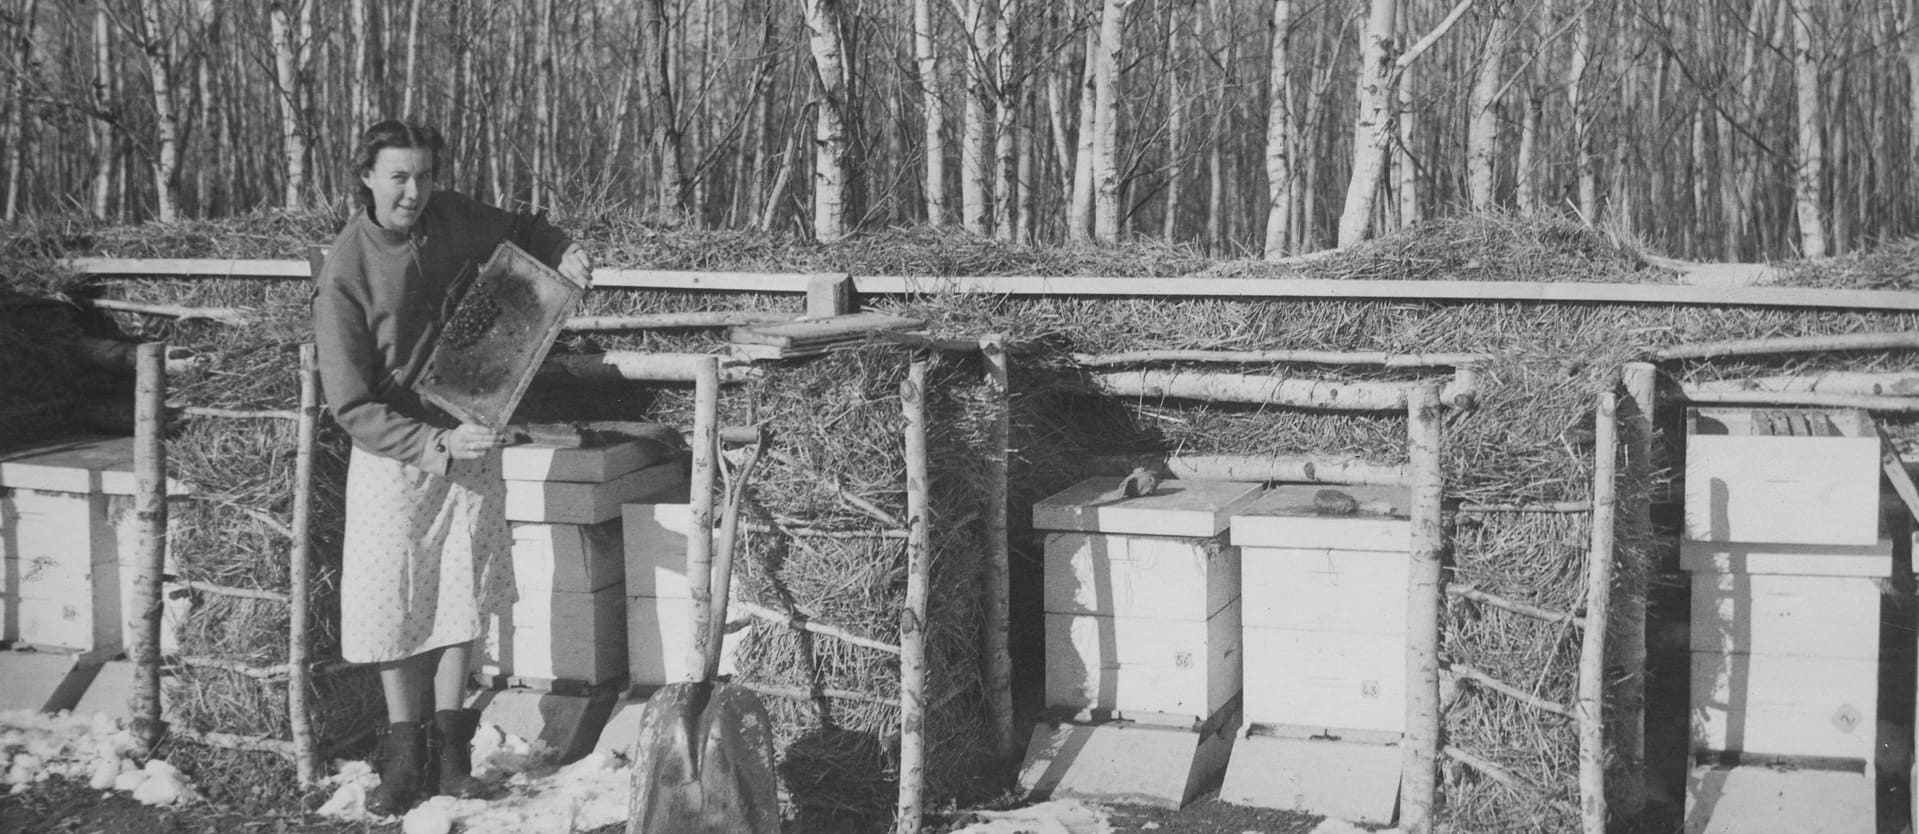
x: 426, y: 554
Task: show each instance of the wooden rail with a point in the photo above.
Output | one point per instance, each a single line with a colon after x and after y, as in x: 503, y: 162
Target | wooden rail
x: 1034, y: 285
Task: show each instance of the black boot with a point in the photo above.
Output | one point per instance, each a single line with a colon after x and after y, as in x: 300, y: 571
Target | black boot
x: 402, y: 755
x: 453, y: 744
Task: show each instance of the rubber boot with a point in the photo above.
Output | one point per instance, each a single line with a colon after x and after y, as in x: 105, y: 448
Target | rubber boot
x: 402, y: 756
x: 453, y: 746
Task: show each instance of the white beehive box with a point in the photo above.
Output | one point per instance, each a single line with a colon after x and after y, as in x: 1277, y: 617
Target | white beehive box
x: 658, y: 638
x: 588, y: 503
x: 568, y: 557
x: 1809, y: 616
x: 1325, y: 596
x: 1745, y: 485
x: 592, y: 465
x: 560, y: 636
x: 1135, y: 665
x: 1139, y: 576
x: 655, y: 548
x: 1141, y: 598
x: 1792, y: 706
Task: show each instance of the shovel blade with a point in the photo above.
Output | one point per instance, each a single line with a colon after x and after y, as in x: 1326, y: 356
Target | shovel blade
x: 704, y: 763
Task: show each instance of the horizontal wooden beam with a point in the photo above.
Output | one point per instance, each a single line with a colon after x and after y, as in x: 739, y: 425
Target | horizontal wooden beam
x: 194, y: 267
x: 1323, y: 288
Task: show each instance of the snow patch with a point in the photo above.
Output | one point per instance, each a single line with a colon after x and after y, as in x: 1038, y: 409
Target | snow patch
x: 95, y: 749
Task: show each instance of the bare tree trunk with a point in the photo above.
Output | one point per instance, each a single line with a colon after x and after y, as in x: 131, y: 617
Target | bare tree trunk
x: 664, y: 112
x: 1282, y: 135
x: 1405, y: 120
x: 17, y: 130
x: 1028, y: 223
x: 1006, y: 98
x: 359, y: 86
x: 1482, y: 140
x: 926, y: 55
x: 1910, y: 52
x: 412, y: 59
x: 1372, y: 126
x: 1079, y: 219
x: 166, y: 164
x: 1809, y: 157
x: 1106, y: 203
x: 1175, y: 125
x: 101, y: 134
x: 1586, y: 163
x: 975, y: 175
x: 543, y: 94
x: 289, y: 78
x: 833, y: 145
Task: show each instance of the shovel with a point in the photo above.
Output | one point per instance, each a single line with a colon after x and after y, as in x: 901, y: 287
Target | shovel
x: 704, y: 759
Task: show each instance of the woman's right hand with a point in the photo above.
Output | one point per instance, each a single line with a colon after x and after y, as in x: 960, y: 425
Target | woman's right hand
x: 472, y: 441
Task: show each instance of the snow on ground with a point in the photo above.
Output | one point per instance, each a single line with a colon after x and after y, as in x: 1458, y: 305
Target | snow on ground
x: 533, y: 794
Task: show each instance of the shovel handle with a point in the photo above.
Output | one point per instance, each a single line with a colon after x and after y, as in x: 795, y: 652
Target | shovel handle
x: 723, y: 555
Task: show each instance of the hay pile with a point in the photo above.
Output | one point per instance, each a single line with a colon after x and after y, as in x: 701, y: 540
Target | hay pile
x: 1528, y: 442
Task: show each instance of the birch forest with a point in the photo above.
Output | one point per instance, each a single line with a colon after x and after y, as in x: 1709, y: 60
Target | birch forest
x: 1731, y: 130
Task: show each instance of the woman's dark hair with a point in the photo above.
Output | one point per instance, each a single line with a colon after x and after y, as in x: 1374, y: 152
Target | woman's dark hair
x: 393, y: 133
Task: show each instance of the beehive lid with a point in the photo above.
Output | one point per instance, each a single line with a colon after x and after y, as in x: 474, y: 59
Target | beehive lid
x: 1176, y: 508
x: 1294, y: 516
x: 497, y: 337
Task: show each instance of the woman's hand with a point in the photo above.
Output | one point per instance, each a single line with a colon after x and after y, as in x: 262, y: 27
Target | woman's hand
x: 577, y: 266
x: 472, y: 441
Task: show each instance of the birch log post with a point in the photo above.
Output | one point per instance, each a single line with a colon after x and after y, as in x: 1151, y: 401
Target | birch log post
x: 1590, y: 710
x: 1640, y: 380
x: 299, y: 675
x: 996, y: 576
x: 699, y: 537
x: 1419, y: 755
x: 1791, y: 344
x: 919, y: 563
x: 1282, y: 391
x: 150, y: 514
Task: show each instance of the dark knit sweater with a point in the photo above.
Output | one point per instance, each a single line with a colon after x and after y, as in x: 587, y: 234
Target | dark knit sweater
x: 380, y: 301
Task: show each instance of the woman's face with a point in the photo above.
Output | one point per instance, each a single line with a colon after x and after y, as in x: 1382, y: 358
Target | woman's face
x: 401, y: 180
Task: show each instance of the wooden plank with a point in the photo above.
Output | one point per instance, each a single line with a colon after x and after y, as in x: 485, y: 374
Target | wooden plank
x: 540, y: 462
x: 1286, y: 517
x: 196, y: 267
x: 797, y: 283
x: 1801, y: 560
x: 1471, y: 291
x: 814, y: 332
x: 1895, y: 470
x: 1177, y: 508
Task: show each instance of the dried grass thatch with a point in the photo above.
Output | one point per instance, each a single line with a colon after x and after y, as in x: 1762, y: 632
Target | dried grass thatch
x: 837, y: 417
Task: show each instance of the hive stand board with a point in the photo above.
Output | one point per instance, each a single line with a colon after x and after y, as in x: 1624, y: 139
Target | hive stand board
x: 1756, y: 799
x: 1356, y: 781
x: 1126, y: 762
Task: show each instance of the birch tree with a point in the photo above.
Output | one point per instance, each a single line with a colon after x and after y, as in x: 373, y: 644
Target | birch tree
x: 1482, y: 134
x: 1373, y: 122
x: 1586, y: 161
x: 667, y: 152
x: 832, y: 142
x: 1282, y: 134
x: 1079, y: 217
x: 1006, y: 127
x: 23, y: 71
x: 1105, y: 126
x: 157, y: 44
x: 1809, y: 152
x: 926, y: 56
x: 101, y: 135
x: 975, y: 170
x: 289, y: 62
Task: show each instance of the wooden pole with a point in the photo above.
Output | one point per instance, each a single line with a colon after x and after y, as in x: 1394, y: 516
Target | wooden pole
x: 1420, y: 751
x: 1640, y: 380
x: 299, y: 676
x: 997, y: 576
x: 1792, y: 344
x: 1590, y: 712
x: 150, y: 514
x: 1898, y: 405
x: 919, y: 564
x: 699, y: 538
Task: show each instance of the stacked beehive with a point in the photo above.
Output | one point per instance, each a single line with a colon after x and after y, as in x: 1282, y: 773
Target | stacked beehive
x: 658, y: 627
x: 1783, y: 539
x: 67, y: 560
x: 1324, y: 573
x: 1142, y: 608
x: 569, y: 623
